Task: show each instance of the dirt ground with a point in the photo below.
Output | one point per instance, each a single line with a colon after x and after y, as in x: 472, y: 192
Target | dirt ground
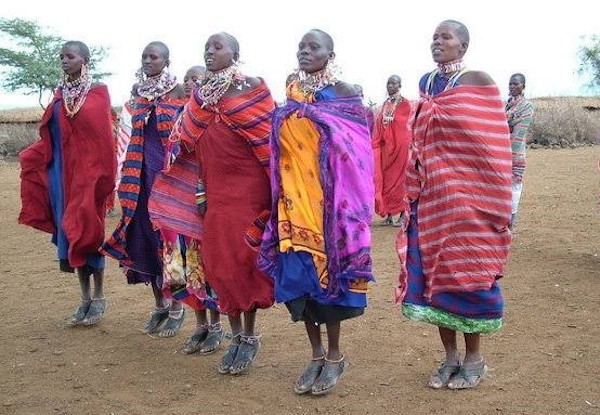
x: 544, y: 361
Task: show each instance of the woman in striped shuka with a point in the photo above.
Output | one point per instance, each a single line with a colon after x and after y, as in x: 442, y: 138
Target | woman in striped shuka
x: 459, y: 187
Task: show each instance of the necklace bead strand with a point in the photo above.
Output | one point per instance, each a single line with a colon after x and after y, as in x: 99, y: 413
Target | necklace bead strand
x: 74, y: 93
x: 216, y: 84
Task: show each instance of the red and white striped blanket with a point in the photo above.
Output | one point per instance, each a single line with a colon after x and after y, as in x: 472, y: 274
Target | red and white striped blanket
x: 460, y: 172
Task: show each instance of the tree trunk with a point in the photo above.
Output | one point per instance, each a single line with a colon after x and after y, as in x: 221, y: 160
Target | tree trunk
x: 40, y: 93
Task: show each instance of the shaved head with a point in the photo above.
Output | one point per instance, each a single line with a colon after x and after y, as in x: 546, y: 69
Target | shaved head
x: 327, y: 39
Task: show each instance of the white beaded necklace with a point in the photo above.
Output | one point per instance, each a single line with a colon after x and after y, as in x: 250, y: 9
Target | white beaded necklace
x: 310, y: 83
x: 153, y: 87
x: 389, y: 110
x: 75, y: 92
x: 216, y: 84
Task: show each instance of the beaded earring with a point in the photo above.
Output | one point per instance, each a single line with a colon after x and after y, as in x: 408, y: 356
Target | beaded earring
x: 84, y: 70
x: 140, y: 75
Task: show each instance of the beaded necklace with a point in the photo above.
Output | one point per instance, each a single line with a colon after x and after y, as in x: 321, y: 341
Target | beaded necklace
x: 450, y: 67
x: 153, y: 87
x: 74, y: 92
x: 388, y: 110
x: 216, y: 84
x: 512, y: 102
x: 455, y: 68
x: 311, y: 83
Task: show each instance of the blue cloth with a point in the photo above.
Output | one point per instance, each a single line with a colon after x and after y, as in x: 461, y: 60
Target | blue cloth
x: 297, y: 277
x: 438, y: 85
x: 483, y: 304
x: 143, y: 242
x: 55, y: 189
x: 326, y: 94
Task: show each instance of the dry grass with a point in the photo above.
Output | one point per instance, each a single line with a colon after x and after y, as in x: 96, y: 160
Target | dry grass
x: 14, y: 137
x: 558, y: 122
x: 566, y: 121
x: 20, y: 115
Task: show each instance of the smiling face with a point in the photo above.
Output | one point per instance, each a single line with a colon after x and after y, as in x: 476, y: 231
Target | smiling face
x: 314, y: 52
x: 446, y: 45
x: 192, y: 79
x: 71, y: 60
x: 154, y: 59
x: 219, y: 52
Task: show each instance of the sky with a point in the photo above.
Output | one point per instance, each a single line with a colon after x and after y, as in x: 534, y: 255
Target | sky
x: 373, y: 39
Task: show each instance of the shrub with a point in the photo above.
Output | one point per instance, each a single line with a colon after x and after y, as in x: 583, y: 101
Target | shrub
x: 14, y: 137
x: 565, y: 122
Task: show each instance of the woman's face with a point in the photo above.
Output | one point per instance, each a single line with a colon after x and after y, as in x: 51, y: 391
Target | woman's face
x: 71, y: 61
x: 515, y: 86
x: 313, y: 53
x: 393, y: 85
x: 154, y: 60
x: 218, y: 53
x: 446, y: 45
x: 191, y: 80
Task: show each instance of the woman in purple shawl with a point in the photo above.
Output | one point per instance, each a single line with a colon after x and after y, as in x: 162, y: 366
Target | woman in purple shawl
x: 317, y: 241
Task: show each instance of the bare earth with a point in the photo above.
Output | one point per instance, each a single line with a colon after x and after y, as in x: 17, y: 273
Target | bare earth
x: 544, y: 361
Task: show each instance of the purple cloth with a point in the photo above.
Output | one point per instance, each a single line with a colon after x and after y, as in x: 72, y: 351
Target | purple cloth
x: 346, y: 176
x: 143, y: 242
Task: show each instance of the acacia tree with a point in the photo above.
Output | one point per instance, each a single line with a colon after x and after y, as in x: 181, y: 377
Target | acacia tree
x: 589, y: 59
x: 30, y: 64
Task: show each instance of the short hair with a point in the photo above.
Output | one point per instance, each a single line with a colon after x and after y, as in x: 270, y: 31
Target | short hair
x: 396, y: 77
x: 160, y: 45
x: 328, y: 39
x: 461, y: 30
x: 519, y: 76
x: 84, y: 51
x: 233, y: 43
x: 359, y: 89
x: 197, y: 68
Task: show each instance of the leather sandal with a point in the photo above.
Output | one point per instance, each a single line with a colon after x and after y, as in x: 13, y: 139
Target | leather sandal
x: 309, y: 376
x: 468, y: 376
x: 249, y: 347
x: 442, y: 376
x: 330, y: 375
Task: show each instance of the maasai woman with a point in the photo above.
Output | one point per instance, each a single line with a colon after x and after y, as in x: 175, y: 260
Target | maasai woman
x: 391, y: 140
x: 135, y: 243
x: 225, y: 127
x: 519, y: 112
x: 183, y: 275
x: 67, y: 176
x: 317, y: 243
x: 458, y: 182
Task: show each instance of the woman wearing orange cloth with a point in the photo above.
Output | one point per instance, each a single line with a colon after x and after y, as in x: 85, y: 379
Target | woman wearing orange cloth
x: 391, y: 141
x: 317, y: 242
